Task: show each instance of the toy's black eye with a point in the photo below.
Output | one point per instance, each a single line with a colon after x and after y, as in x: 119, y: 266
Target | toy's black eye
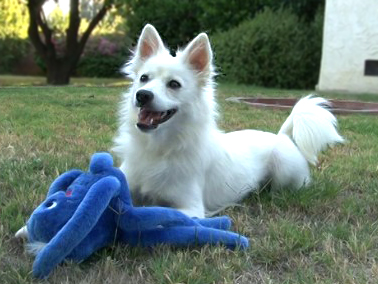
x: 144, y: 78
x: 173, y: 84
x: 51, y: 204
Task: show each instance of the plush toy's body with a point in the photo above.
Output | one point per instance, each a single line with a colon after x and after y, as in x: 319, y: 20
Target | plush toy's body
x: 85, y: 211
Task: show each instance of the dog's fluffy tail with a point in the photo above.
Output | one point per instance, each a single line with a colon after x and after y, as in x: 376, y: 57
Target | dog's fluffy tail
x: 312, y: 127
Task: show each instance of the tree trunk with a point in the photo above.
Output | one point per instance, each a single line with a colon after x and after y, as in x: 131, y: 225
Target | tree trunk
x: 58, y: 72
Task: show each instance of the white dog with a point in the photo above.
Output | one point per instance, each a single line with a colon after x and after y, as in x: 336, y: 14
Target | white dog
x: 172, y: 150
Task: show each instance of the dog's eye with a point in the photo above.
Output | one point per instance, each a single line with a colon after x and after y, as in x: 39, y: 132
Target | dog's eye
x: 143, y: 78
x: 173, y: 84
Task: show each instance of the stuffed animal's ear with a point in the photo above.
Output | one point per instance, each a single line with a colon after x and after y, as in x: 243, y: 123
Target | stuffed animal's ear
x: 63, y: 181
x: 78, y: 227
x: 100, y: 162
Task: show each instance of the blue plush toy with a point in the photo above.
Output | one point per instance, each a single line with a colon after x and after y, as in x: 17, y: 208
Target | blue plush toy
x: 85, y: 211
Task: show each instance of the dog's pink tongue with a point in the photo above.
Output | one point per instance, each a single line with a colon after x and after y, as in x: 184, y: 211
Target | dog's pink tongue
x: 148, y: 117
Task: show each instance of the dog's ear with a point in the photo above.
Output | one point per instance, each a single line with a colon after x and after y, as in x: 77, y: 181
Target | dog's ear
x: 198, y: 54
x: 149, y: 43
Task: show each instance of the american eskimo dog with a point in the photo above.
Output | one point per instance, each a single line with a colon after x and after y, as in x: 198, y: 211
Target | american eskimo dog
x: 172, y: 150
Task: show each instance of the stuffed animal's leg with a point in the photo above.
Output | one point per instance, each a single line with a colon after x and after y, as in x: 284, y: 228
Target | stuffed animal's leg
x: 186, y: 236
x: 146, y: 218
x: 77, y: 228
x: 221, y: 222
x: 98, y: 238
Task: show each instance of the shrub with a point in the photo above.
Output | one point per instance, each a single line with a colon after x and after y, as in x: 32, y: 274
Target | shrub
x: 98, y: 65
x: 275, y: 49
x: 103, y: 56
x: 12, y: 50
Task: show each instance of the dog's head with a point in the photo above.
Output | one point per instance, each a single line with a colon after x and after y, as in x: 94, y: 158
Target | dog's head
x: 164, y: 85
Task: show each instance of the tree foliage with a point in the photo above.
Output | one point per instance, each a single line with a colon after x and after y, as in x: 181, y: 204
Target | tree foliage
x: 13, y: 31
x: 13, y: 19
x: 180, y: 21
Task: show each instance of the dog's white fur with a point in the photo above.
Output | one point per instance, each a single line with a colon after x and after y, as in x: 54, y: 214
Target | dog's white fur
x: 187, y: 162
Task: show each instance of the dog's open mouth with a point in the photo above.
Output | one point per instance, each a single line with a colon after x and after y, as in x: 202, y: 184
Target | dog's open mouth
x: 149, y: 119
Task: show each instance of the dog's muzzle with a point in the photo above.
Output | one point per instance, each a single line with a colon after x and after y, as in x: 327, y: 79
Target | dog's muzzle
x: 143, y: 98
x: 149, y: 119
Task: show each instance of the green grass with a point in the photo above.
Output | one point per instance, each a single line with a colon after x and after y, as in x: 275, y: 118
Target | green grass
x: 327, y: 233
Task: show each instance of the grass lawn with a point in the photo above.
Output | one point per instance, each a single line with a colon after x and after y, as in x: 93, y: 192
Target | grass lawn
x: 327, y: 233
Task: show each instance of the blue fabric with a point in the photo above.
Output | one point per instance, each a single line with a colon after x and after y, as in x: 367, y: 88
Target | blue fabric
x: 85, y: 211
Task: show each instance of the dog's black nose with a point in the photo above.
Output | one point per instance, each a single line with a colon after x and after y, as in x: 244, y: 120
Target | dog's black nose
x: 143, y: 97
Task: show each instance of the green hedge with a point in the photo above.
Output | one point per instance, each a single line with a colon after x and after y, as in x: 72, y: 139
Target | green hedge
x: 274, y: 49
x: 104, y: 56
x: 12, y: 50
x: 101, y: 66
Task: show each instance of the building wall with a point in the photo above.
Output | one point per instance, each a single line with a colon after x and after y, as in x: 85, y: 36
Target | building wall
x: 350, y: 37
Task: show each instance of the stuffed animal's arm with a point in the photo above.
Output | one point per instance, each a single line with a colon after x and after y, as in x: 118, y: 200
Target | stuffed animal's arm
x: 77, y: 228
x: 146, y: 218
x: 63, y: 181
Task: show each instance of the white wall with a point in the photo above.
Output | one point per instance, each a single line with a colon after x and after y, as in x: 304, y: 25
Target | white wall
x: 350, y: 37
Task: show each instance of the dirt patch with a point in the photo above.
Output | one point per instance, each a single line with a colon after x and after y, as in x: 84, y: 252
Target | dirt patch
x: 337, y: 106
